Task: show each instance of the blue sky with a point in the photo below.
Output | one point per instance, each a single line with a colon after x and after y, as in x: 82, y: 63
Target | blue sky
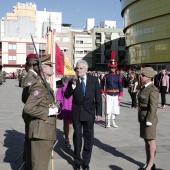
x: 75, y: 12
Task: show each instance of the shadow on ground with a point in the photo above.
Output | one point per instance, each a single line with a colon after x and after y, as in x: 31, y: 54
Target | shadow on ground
x: 60, y: 149
x: 115, y: 152
x: 14, y: 142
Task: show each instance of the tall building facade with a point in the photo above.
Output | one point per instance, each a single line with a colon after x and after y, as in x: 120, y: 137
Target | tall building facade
x: 147, y: 32
x: 104, y: 41
x: 16, y: 30
x: 82, y: 47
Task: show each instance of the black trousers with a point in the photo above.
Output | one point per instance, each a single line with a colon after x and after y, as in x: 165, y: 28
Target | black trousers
x: 85, y: 130
x: 134, y: 99
x: 163, y: 94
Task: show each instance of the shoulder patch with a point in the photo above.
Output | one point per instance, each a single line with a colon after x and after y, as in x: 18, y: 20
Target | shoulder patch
x: 37, y: 93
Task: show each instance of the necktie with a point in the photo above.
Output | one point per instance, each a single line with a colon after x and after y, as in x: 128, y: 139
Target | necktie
x: 83, y: 86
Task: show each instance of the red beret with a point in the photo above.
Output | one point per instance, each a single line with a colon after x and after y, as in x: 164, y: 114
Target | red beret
x: 31, y: 56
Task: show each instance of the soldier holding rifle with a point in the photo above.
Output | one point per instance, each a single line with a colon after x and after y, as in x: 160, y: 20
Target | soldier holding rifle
x: 111, y: 89
x: 42, y: 127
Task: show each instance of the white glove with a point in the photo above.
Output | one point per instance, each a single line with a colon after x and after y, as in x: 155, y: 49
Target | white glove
x: 53, y: 111
x: 148, y: 123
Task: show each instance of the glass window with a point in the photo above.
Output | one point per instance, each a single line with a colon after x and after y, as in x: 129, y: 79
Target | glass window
x: 30, y: 47
x: 12, y: 58
x: 12, y: 46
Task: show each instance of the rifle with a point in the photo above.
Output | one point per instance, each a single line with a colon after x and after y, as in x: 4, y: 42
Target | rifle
x: 105, y: 111
x: 53, y: 103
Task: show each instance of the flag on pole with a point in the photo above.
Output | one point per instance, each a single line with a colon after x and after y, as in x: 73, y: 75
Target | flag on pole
x: 62, y: 65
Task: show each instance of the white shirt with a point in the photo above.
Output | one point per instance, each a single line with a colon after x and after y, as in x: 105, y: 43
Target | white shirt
x: 85, y: 78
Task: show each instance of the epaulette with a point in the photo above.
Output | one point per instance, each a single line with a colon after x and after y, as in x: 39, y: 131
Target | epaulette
x: 33, y: 83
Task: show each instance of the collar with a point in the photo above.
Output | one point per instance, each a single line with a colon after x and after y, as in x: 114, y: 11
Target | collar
x: 33, y: 71
x: 111, y: 73
x: 147, y: 84
x: 85, y: 77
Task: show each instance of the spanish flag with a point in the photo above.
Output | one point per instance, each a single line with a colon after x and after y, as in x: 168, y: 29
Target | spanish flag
x: 62, y: 65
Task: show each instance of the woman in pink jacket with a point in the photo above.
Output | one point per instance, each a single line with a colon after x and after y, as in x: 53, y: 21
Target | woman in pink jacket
x: 164, y: 87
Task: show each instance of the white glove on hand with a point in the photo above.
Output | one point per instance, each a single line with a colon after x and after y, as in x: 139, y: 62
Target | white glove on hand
x: 148, y: 124
x: 53, y: 111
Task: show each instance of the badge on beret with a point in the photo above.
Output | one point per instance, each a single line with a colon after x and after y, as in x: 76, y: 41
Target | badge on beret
x: 36, y: 93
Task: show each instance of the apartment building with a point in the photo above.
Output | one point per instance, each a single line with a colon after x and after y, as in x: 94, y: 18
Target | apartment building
x: 64, y: 41
x: 82, y: 47
x: 16, y: 30
x: 104, y: 41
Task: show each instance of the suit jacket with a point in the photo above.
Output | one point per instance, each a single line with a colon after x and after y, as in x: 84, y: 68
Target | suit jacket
x: 84, y: 108
x: 148, y: 104
x: 37, y: 106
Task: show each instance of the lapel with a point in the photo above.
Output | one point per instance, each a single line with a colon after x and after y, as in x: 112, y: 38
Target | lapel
x: 88, y: 85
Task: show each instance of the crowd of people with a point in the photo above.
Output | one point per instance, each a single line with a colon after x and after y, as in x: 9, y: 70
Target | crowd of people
x: 79, y: 101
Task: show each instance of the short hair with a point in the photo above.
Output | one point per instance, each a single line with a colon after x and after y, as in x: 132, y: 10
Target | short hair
x: 82, y: 62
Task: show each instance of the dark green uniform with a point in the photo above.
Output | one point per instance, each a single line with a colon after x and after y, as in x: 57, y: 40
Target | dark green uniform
x: 148, y: 104
x: 42, y: 128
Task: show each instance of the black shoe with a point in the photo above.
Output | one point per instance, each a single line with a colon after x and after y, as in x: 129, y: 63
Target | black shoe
x: 76, y: 167
x: 141, y: 169
x: 153, y: 167
x: 86, y: 167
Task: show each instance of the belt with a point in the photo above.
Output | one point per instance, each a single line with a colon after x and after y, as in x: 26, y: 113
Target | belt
x: 112, y: 91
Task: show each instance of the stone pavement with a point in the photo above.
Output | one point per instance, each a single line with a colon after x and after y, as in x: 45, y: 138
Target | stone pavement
x: 114, y: 149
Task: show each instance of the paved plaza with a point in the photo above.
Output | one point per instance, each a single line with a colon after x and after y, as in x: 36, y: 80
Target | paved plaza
x: 114, y: 149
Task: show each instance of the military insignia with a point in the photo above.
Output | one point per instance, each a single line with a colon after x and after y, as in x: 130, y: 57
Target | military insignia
x: 29, y: 84
x: 36, y: 93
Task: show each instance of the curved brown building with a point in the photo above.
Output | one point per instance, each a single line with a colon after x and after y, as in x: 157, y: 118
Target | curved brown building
x: 147, y: 32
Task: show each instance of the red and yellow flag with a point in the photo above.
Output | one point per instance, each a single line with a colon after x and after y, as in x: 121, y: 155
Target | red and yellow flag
x: 62, y: 65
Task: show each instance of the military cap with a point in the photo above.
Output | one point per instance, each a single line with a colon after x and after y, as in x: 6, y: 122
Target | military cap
x: 112, y: 63
x: 31, y: 59
x: 148, y: 72
x: 31, y: 55
x: 46, y: 60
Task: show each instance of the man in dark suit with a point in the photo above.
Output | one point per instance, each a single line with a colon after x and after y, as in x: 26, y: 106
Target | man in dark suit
x: 86, y: 107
